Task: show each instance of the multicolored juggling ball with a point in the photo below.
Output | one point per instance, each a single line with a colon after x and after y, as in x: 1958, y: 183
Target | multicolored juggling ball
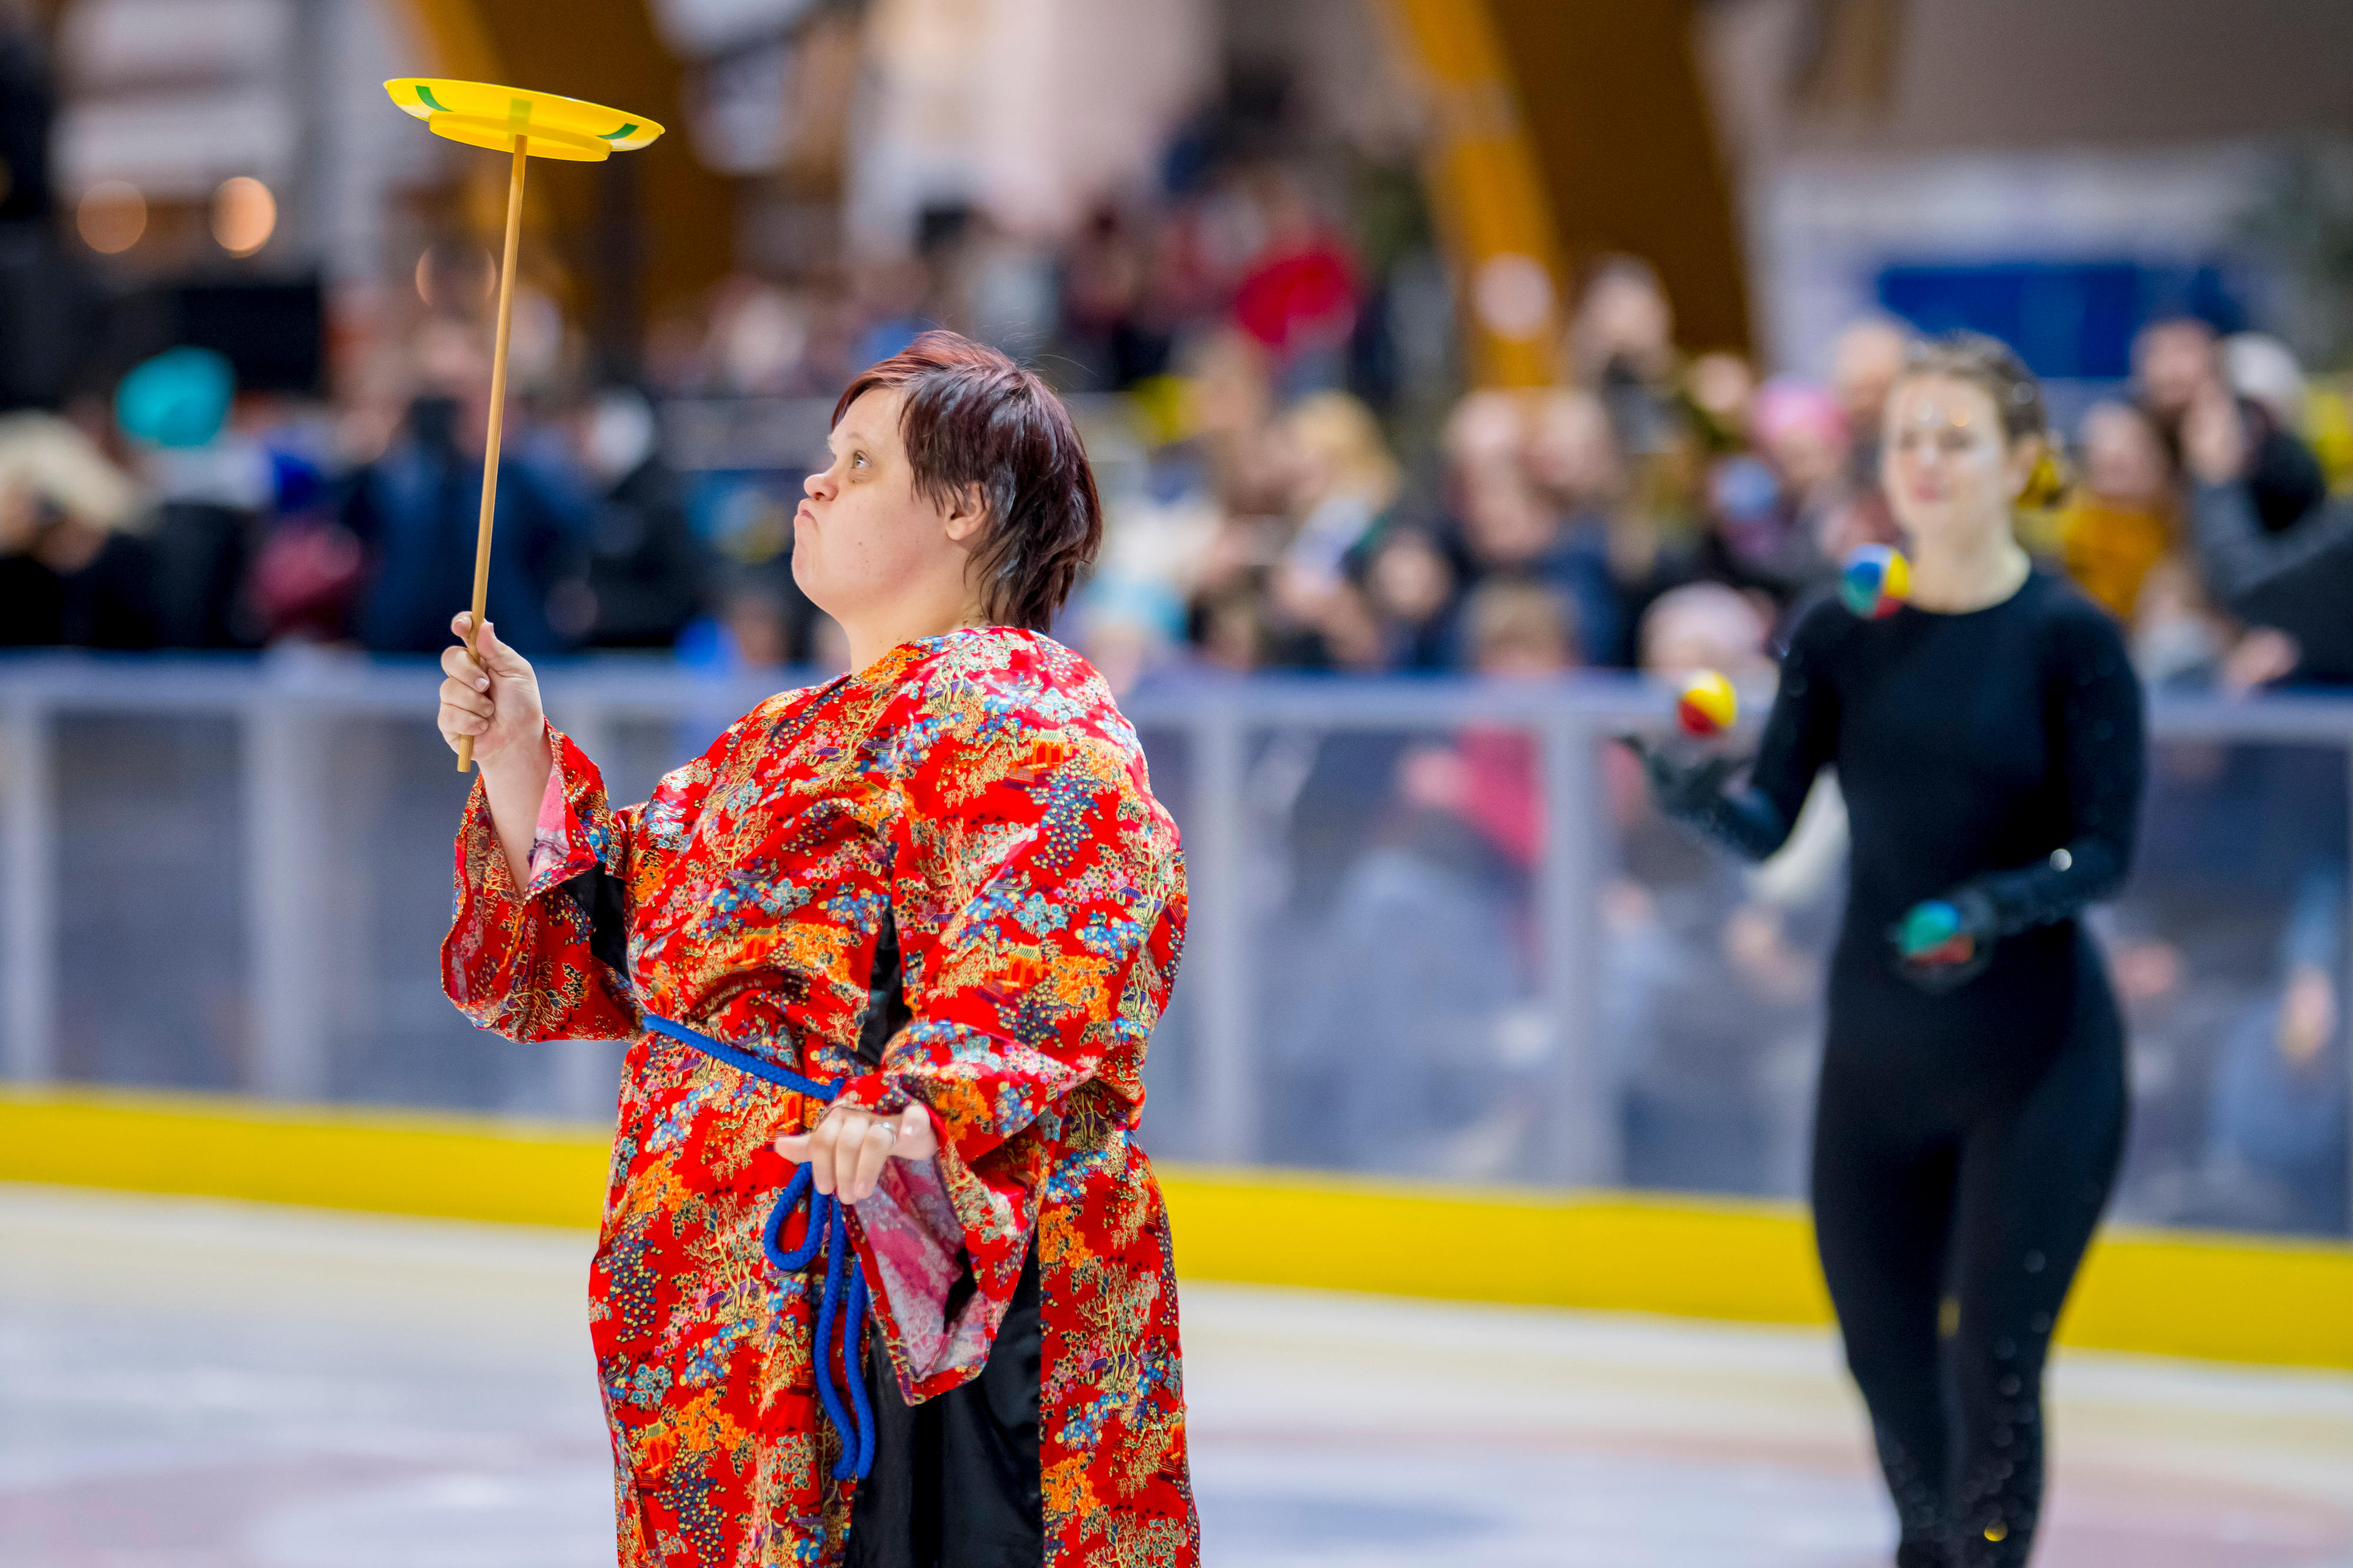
x: 1875, y: 580
x: 1706, y: 705
x: 1932, y: 933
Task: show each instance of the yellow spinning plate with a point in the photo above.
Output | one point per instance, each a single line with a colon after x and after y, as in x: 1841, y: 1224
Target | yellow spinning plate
x: 522, y: 125
x: 485, y: 115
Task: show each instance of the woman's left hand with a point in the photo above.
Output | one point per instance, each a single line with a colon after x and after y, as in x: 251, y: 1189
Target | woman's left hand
x: 845, y: 1152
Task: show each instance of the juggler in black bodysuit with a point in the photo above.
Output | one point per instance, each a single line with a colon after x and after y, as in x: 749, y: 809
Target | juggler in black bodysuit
x: 1970, y: 1119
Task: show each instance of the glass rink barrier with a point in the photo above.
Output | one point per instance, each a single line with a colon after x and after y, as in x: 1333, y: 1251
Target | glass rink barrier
x: 1438, y: 930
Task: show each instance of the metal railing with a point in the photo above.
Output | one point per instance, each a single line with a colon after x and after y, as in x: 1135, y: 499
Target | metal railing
x: 1209, y: 743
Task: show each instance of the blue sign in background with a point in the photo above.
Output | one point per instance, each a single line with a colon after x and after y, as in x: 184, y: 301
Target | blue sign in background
x: 2069, y: 318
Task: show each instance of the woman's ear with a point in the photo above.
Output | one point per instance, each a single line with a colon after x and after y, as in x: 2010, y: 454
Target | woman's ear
x: 966, y: 515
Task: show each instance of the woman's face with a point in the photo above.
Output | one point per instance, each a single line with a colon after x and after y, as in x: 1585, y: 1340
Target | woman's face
x: 863, y: 540
x: 1506, y: 521
x: 1949, y: 471
x: 1572, y: 451
x: 2123, y: 459
x: 1410, y: 580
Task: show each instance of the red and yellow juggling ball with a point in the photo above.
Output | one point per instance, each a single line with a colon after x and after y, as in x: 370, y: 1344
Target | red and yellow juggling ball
x: 1706, y: 705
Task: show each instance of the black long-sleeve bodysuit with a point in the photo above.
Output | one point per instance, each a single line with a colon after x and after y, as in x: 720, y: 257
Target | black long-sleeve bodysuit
x: 1965, y: 1140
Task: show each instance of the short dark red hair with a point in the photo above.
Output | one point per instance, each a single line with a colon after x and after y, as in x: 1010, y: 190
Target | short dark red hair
x: 970, y: 416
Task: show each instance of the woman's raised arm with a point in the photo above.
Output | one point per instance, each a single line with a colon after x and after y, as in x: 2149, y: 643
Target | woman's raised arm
x: 495, y: 698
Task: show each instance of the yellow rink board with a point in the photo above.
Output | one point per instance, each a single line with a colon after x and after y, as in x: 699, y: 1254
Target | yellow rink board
x: 2170, y: 1293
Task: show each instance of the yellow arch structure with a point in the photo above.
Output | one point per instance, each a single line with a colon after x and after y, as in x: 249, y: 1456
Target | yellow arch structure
x: 1486, y: 188
x: 461, y: 46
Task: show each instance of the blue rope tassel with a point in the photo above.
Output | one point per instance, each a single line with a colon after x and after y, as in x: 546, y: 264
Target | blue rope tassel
x: 843, y: 1294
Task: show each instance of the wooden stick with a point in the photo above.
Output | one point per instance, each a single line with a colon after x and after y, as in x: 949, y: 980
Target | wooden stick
x: 498, y: 425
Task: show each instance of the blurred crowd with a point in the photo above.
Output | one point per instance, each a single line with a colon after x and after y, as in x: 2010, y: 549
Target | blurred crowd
x: 1283, y: 491
x: 2199, y: 511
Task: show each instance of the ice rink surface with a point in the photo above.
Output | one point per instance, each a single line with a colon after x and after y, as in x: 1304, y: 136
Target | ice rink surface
x: 191, y: 1384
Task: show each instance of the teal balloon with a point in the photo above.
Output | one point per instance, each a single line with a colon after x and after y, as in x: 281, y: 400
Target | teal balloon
x: 1931, y: 924
x: 179, y: 398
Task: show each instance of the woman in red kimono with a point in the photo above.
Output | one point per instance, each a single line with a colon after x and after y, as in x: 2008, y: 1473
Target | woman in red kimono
x: 938, y: 894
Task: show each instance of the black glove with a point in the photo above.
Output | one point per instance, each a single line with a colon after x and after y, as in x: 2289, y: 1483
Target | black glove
x: 1939, y: 970
x: 1694, y: 793
x: 1688, y: 792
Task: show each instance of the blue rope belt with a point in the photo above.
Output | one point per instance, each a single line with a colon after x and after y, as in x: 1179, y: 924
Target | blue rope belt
x: 844, y: 1292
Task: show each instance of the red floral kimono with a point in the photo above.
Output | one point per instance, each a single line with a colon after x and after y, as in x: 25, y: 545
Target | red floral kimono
x: 978, y: 800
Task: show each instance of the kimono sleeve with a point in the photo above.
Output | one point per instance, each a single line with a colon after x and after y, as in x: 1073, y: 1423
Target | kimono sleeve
x: 547, y: 961
x: 1040, y: 898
